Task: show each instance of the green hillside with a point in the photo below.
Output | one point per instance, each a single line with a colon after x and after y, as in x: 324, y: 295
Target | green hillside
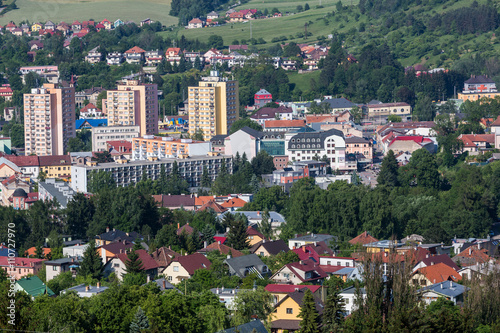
x: 434, y: 48
x: 71, y: 10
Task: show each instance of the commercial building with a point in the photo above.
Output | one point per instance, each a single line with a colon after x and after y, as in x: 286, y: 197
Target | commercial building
x: 381, y: 111
x: 49, y: 119
x: 150, y: 147
x: 213, y: 106
x: 134, y: 103
x: 126, y: 172
x: 100, y: 135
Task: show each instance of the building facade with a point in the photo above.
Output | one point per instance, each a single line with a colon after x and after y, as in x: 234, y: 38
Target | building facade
x: 112, y: 133
x: 49, y: 119
x: 150, y: 147
x: 213, y: 106
x: 134, y: 103
x: 478, y: 87
x: 125, y: 173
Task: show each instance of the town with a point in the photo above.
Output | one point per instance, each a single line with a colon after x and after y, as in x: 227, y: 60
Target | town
x: 199, y: 186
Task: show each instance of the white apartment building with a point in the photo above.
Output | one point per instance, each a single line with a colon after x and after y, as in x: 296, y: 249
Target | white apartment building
x: 101, y: 134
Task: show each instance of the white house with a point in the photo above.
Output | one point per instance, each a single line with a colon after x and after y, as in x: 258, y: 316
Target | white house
x: 349, y: 297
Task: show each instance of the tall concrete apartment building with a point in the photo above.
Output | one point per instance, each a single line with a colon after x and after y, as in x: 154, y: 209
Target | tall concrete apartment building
x: 49, y: 119
x: 134, y: 103
x: 213, y: 105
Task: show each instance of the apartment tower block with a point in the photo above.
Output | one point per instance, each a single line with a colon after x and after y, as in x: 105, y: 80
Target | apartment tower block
x: 134, y: 103
x: 213, y: 106
x: 49, y: 119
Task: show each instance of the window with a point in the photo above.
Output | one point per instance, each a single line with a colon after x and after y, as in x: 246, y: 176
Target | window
x: 176, y: 268
x: 289, y: 311
x: 169, y: 278
x: 116, y: 265
x: 338, y: 263
x: 261, y: 253
x: 346, y: 300
x: 54, y: 268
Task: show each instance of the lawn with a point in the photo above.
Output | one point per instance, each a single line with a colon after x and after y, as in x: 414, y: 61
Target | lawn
x: 303, y: 81
x: 69, y: 11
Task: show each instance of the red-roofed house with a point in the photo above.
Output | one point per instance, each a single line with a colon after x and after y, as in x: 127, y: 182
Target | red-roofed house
x: 430, y: 275
x: 135, y: 55
x: 195, y: 23
x: 31, y: 252
x: 300, y: 272
x: 184, y: 267
x: 6, y: 92
x: 254, y: 236
x: 233, y: 204
x: 431, y: 260
x: 472, y: 256
x: 21, y: 200
x: 76, y: 26
x: 476, y: 142
x: 283, y: 125
x: 100, y: 26
x: 211, y: 204
x: 119, y: 148
x: 223, y: 249
x: 173, y: 55
x: 363, y: 239
x: 236, y: 17
x: 164, y: 255
x: 10, y: 26
x: 90, y: 110
x: 107, y: 24
x: 29, y: 165
x: 56, y: 166
x: 410, y: 143
x: 118, y: 264
x: 21, y: 266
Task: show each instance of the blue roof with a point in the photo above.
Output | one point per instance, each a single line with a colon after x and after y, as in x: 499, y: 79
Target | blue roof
x: 446, y: 288
x: 85, y: 123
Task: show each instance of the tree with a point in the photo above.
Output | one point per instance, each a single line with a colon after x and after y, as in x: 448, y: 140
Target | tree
x: 308, y: 314
x: 79, y: 213
x: 91, y: 263
x: 263, y: 163
x: 133, y: 263
x: 100, y: 180
x: 265, y: 225
x: 299, y: 8
x: 394, y: 118
x: 357, y: 114
x: 240, y: 123
x: 422, y: 170
x: 215, y: 42
x: 333, y: 314
x: 251, y: 304
x: 306, y: 6
x: 206, y: 181
x: 291, y: 50
x: 140, y: 322
x: 237, y: 236
x: 389, y: 171
x: 424, y: 109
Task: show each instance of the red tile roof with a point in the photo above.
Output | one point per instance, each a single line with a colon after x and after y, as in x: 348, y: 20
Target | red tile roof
x: 220, y: 239
x: 214, y: 206
x: 285, y: 123
x: 234, y: 203
x: 439, y: 273
x: 54, y: 160
x: 496, y: 122
x: 187, y: 228
x: 31, y: 252
x: 147, y: 261
x: 23, y: 161
x: 88, y: 107
x: 289, y: 288
x: 223, y: 249
x: 307, y: 266
x: 440, y: 259
x: 415, y: 138
x: 193, y: 262
x: 253, y: 232
x: 18, y: 261
x: 135, y: 49
x: 472, y: 253
x: 363, y: 239
x: 470, y: 140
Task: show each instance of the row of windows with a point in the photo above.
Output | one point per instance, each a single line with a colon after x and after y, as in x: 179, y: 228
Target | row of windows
x: 307, y: 140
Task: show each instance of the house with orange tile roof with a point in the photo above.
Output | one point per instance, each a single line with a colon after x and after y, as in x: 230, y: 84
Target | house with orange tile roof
x: 173, y: 55
x: 471, y: 256
x: 223, y: 249
x: 430, y: 275
x: 476, y: 142
x: 233, y: 204
x: 195, y: 23
x: 363, y: 239
x: 135, y: 55
x: 283, y: 125
x: 31, y: 252
x: 107, y: 24
x: 211, y: 204
x: 164, y: 255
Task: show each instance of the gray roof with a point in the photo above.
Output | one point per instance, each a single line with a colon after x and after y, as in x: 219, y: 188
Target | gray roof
x: 339, y: 103
x: 352, y: 290
x: 81, y: 154
x: 252, y: 132
x: 314, y: 238
x: 81, y: 289
x: 253, y: 326
x: 355, y: 139
x: 62, y: 261
x: 479, y: 79
x: 262, y: 92
x: 314, y: 135
x: 445, y: 288
x: 218, y: 137
x: 57, y: 189
x: 163, y: 281
x: 240, y: 264
x: 257, y: 215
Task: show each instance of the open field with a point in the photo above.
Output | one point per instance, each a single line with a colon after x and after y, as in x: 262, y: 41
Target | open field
x: 69, y: 11
x: 303, y: 81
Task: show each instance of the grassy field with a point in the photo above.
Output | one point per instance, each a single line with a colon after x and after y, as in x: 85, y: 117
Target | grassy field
x: 268, y: 28
x: 69, y: 11
x: 302, y: 81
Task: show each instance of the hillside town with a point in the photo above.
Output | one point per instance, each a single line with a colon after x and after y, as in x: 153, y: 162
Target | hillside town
x: 242, y: 208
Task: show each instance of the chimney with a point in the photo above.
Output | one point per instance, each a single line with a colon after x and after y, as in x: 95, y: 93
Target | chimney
x: 121, y: 250
x: 107, y: 229
x: 72, y: 259
x: 263, y: 240
x: 219, y: 242
x: 427, y: 255
x: 312, y: 235
x: 164, y: 284
x: 228, y: 256
x: 148, y: 278
x: 178, y: 225
x: 124, y: 242
x: 114, y: 229
x: 432, y: 263
x: 385, y: 254
x: 205, y: 244
x: 86, y: 288
x: 98, y: 284
x: 470, y: 251
x: 258, y: 213
x: 441, y: 285
x: 479, y: 246
x: 301, y: 262
x: 217, y: 291
x: 451, y: 284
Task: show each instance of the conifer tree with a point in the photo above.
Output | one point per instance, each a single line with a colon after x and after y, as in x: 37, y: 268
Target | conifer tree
x: 333, y: 314
x: 265, y: 225
x: 237, y: 236
x: 133, y: 264
x: 389, y: 172
x: 92, y: 263
x: 140, y: 322
x: 308, y: 314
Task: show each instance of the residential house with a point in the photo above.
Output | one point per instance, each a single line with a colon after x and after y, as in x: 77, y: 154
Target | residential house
x: 173, y: 55
x: 285, y: 317
x: 382, y: 246
x: 153, y: 58
x: 381, y: 111
x: 111, y: 250
x: 107, y: 24
x: 9, y: 186
x: 297, y: 242
x: 212, y: 205
x: 233, y: 204
x: 49, y: 25
x: 185, y: 229
x: 83, y: 290
x: 76, y: 26
x: 90, y: 110
x: 55, y: 166
x: 118, y: 264
x: 163, y: 284
x: 437, y: 273
x: 478, y: 271
x: 364, y: 238
x: 35, y: 27
x: 255, y: 218
x: 431, y: 260
x: 261, y: 97
x: 227, y: 296
x: 266, y: 113
x: 236, y: 17
x: 33, y: 286
x: 164, y: 256
x: 31, y: 252
x: 114, y: 235
x: 58, y: 266
x: 17, y: 32
x: 315, y: 251
x: 183, y: 267
x: 64, y: 28
x: 8, y: 168
x: 10, y: 26
x: 212, y: 16
x: 300, y: 272
x: 35, y: 45
x: 280, y: 291
x: 120, y: 149
x: 449, y: 290
x: 94, y: 56
x: 254, y: 236
x: 405, y: 143
x: 135, y: 55
x: 195, y: 23
x: 172, y: 202
x: 146, y: 21
x: 223, y: 249
x: 21, y: 200
x: 114, y: 58
x: 477, y: 87
x: 293, y: 172
x: 269, y: 248
x: 6, y: 92
x: 117, y: 23
x: 472, y: 255
x: 361, y: 148
x: 244, y: 47
x: 349, y: 296
x: 75, y: 251
x: 476, y: 142
x: 245, y: 265
x: 20, y: 267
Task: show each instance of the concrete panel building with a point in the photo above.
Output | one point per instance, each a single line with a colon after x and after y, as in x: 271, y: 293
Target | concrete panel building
x: 112, y: 133
x: 157, y: 147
